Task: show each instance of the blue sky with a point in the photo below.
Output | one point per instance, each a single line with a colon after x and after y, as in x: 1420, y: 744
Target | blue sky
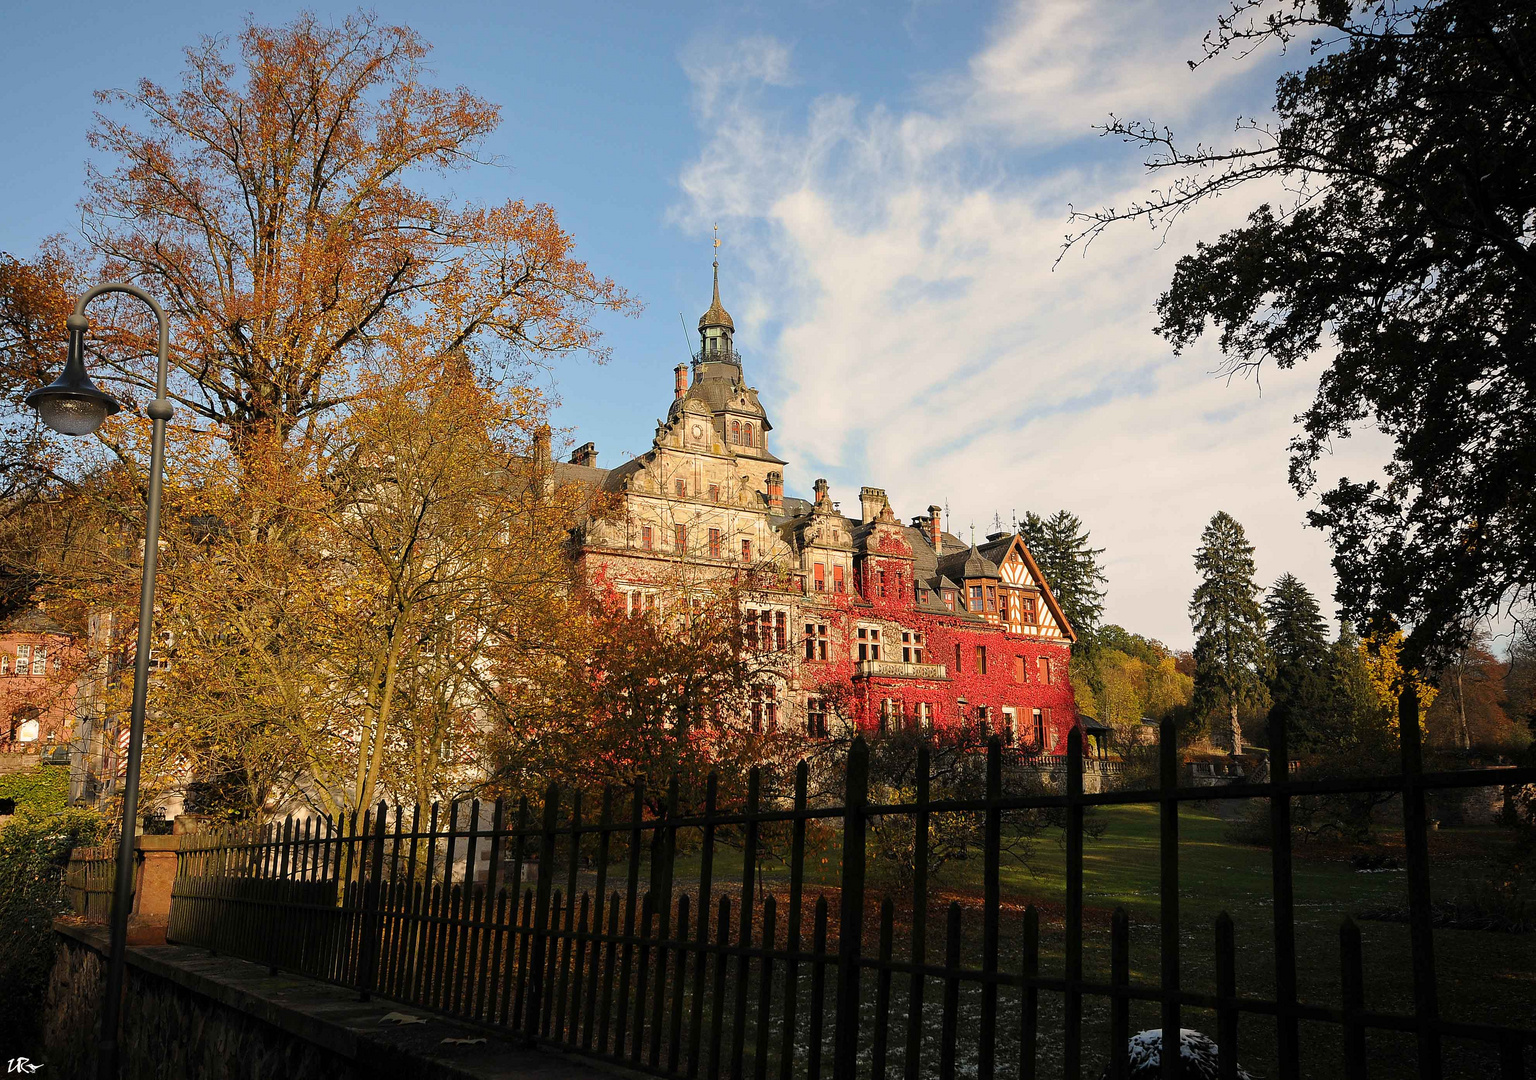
x: 892, y: 182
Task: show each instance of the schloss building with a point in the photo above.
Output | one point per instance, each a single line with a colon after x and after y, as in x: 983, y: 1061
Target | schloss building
x: 927, y: 629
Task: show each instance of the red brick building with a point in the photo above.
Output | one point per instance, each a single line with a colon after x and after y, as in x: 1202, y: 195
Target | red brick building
x: 882, y: 623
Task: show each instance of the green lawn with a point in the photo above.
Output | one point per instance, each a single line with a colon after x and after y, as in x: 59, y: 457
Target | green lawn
x: 1483, y: 976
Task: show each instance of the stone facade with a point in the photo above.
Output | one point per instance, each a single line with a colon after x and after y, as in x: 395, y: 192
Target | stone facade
x: 898, y: 623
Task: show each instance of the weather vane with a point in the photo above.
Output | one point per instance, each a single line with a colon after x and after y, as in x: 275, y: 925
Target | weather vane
x: 717, y: 241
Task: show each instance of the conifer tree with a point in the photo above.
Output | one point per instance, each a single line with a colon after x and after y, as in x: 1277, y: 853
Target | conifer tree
x: 1231, y: 660
x: 1298, y: 647
x: 1060, y: 545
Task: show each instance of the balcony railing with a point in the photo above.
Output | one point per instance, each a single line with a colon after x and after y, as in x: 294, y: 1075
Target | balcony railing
x: 894, y: 669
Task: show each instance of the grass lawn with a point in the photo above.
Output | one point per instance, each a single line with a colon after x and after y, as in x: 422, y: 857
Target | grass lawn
x: 1483, y: 976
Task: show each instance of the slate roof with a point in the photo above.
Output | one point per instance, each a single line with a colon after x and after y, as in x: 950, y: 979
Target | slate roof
x: 32, y: 620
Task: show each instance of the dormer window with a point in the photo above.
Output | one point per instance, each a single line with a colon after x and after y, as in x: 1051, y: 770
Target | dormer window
x: 735, y: 431
x: 746, y: 435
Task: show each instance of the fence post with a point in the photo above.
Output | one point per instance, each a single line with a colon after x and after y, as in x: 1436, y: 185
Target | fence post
x: 1426, y: 1006
x: 991, y: 901
x: 919, y: 914
x: 1073, y: 1049
x: 1168, y: 906
x: 370, y: 942
x: 1287, y: 1029
x: 850, y: 931
x: 533, y: 974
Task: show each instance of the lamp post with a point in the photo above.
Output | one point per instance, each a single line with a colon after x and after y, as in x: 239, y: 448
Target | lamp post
x: 73, y: 405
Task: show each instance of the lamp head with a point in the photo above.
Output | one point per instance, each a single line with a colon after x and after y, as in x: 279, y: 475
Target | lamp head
x: 72, y: 404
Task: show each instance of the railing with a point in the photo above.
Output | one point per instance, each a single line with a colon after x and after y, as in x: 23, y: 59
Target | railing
x: 88, y: 881
x: 895, y: 669
x: 705, y: 973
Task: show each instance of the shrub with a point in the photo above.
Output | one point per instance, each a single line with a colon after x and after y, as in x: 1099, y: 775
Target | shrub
x: 34, y: 849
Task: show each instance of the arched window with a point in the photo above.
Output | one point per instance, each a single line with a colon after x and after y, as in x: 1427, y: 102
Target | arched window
x: 746, y: 435
x: 735, y: 431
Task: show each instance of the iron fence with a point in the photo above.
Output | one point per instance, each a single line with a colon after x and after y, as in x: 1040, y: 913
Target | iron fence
x: 717, y: 976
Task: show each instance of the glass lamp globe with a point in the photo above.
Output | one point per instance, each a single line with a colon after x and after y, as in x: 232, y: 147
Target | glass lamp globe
x: 72, y: 404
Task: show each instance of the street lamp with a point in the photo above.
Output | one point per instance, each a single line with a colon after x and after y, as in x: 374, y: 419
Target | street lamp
x: 73, y: 405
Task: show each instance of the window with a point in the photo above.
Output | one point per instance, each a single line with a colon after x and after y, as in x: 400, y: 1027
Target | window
x: 780, y: 630
x: 976, y: 598
x: 735, y: 431
x: 23, y: 659
x: 746, y: 551
x: 1027, y: 610
x: 815, y: 641
x: 1045, y: 715
x: 40, y: 660
x: 1003, y: 605
x: 922, y: 594
x: 680, y: 538
x: 880, y: 583
x: 682, y: 488
x: 714, y: 492
x: 714, y: 543
x: 5, y: 664
x: 869, y: 643
x: 890, y: 715
x: 1010, y: 726
x: 957, y: 659
x: 991, y: 597
x: 1039, y: 720
x: 981, y: 659
x: 837, y: 579
x: 925, y: 712
x: 949, y: 599
x: 647, y: 540
x: 1019, y: 670
x: 983, y: 721
x: 1043, y: 667
x: 819, y: 577
x: 816, y: 717
x: 26, y: 730
x: 911, y: 647
x: 746, y: 435
x: 749, y: 629
x: 765, y: 708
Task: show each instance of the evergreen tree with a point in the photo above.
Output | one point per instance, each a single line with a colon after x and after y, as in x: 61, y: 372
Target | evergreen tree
x: 1071, y: 567
x: 1298, y: 647
x: 1231, y: 660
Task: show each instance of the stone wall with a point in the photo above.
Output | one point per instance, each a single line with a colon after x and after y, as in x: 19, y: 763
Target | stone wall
x: 189, y: 1015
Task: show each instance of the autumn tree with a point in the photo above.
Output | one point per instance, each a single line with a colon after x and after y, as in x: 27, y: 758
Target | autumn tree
x: 617, y: 694
x: 1230, y: 656
x: 277, y: 204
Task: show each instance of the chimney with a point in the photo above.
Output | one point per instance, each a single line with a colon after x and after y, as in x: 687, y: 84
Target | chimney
x: 871, y: 501
x: 821, y: 492
x: 543, y: 460
x: 935, y: 527
x: 776, y: 492
x: 585, y: 454
x: 679, y: 381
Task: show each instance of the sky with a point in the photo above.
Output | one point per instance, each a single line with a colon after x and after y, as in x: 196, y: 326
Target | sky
x: 892, y: 183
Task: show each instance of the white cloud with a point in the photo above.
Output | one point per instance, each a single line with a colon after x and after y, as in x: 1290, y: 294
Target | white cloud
x: 915, y: 335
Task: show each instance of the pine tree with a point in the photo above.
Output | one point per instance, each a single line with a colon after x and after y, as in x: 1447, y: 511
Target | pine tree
x: 1298, y: 647
x: 1231, y: 659
x: 1060, y: 545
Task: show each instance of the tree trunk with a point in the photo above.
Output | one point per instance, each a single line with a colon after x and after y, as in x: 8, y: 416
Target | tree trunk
x: 1236, y: 734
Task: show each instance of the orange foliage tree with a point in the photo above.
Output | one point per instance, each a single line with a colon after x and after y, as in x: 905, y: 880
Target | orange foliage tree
x: 334, y: 324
